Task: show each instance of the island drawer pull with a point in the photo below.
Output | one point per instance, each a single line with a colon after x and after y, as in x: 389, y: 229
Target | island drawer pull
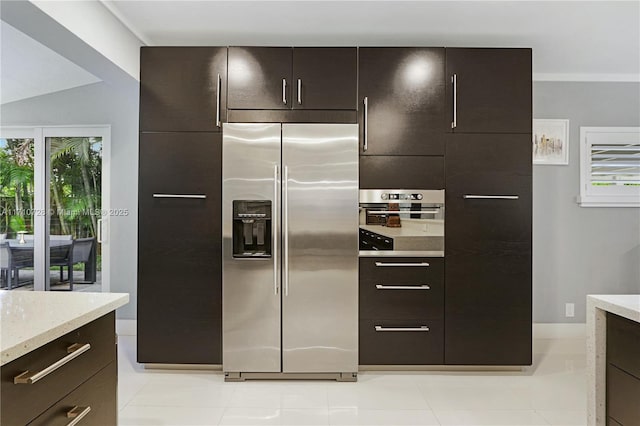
x: 382, y: 264
x: 77, y: 414
x: 420, y: 328
x: 74, y: 351
x: 403, y: 287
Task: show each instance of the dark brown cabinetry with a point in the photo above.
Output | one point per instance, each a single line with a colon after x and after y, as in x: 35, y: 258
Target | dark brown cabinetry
x: 406, y: 172
x: 489, y: 90
x: 401, y: 310
x: 91, y: 375
x: 182, y: 88
x: 488, y: 250
x: 179, y: 253
x: 298, y: 78
x: 623, y: 371
x: 402, y: 100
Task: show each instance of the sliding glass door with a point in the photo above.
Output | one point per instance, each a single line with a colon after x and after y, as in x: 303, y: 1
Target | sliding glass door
x: 54, y: 201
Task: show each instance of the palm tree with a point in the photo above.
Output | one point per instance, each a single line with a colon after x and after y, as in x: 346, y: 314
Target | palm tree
x: 68, y: 154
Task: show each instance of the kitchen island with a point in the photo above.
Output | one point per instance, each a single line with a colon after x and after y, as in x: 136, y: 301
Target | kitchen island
x: 58, y: 357
x: 613, y: 325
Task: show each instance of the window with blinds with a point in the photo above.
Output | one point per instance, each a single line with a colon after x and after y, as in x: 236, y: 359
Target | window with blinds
x: 615, y: 165
x: 609, y: 167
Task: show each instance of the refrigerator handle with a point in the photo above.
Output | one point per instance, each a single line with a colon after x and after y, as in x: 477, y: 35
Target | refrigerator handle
x: 285, y: 230
x: 275, y: 229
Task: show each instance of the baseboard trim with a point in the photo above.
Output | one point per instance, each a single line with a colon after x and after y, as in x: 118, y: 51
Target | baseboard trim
x: 559, y: 330
x: 126, y: 327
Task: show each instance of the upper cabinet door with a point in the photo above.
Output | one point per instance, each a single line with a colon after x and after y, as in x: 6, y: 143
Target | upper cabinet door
x: 404, y: 91
x: 183, y: 88
x: 325, y: 78
x: 489, y: 90
x: 260, y: 77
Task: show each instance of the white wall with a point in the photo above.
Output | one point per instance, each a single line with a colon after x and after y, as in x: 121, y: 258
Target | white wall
x: 578, y: 250
x: 100, y: 103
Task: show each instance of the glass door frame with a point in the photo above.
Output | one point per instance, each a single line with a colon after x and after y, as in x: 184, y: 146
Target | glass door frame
x: 42, y: 205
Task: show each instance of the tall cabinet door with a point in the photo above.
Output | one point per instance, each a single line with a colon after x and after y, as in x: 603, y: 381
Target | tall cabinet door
x: 179, y: 248
x: 404, y: 90
x: 183, y: 88
x: 325, y: 77
x: 488, y: 250
x: 260, y: 78
x: 489, y: 90
x: 320, y: 257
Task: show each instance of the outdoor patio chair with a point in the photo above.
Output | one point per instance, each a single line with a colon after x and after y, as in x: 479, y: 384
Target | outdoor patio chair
x: 62, y: 256
x: 82, y: 250
x: 17, y: 258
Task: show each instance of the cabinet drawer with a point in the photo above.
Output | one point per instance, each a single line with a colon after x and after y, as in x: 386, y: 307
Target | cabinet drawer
x: 622, y: 396
x: 96, y: 397
x: 21, y: 403
x: 406, y: 172
x: 401, y: 270
x: 404, y: 295
x: 401, y: 342
x: 623, y: 344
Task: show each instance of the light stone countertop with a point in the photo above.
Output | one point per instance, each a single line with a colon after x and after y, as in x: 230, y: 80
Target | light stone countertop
x: 624, y: 305
x: 31, y: 319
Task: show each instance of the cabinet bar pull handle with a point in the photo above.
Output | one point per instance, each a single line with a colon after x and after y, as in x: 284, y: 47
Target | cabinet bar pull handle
x: 365, y: 144
x: 275, y: 229
x: 179, y: 196
x: 420, y: 264
x: 74, y: 351
x: 403, y: 287
x: 284, y: 91
x: 285, y: 224
x: 300, y: 91
x: 388, y: 212
x: 420, y: 328
x: 77, y: 414
x: 454, y: 81
x: 218, y: 90
x: 490, y: 197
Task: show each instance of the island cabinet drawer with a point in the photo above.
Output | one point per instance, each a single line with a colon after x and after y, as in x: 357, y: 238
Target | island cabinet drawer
x: 401, y: 270
x: 623, y: 344
x: 93, y: 403
x: 623, y: 390
x: 401, y: 342
x: 77, y: 355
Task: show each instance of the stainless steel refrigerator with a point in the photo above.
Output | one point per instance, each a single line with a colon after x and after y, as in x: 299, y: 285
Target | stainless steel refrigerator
x: 290, y: 251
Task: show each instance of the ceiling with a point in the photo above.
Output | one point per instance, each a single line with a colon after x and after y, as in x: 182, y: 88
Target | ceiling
x: 30, y: 69
x: 575, y: 38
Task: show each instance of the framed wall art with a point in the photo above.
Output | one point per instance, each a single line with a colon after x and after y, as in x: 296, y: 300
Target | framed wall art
x: 550, y: 141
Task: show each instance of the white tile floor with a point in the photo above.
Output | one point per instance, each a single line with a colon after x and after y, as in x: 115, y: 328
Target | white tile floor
x: 553, y: 392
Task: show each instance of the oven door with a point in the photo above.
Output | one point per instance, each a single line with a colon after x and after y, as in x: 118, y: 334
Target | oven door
x: 401, y: 222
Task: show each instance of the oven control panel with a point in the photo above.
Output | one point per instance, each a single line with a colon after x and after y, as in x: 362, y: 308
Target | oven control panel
x: 395, y: 196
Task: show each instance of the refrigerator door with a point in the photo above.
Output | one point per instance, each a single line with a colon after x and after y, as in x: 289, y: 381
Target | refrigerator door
x: 320, y: 239
x: 250, y: 286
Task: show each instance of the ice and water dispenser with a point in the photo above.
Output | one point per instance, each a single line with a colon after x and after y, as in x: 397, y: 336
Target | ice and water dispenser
x: 251, y: 228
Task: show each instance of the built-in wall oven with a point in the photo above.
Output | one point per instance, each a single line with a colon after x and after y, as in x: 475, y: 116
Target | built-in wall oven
x: 401, y: 222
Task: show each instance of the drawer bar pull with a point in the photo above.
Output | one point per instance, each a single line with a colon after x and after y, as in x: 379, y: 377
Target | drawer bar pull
x: 74, y: 351
x: 403, y: 287
x: 490, y: 197
x: 420, y: 264
x: 179, y: 196
x: 77, y: 414
x: 421, y: 328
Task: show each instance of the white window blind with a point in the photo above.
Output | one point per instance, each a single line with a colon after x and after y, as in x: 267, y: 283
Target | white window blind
x: 610, y: 167
x: 615, y: 164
